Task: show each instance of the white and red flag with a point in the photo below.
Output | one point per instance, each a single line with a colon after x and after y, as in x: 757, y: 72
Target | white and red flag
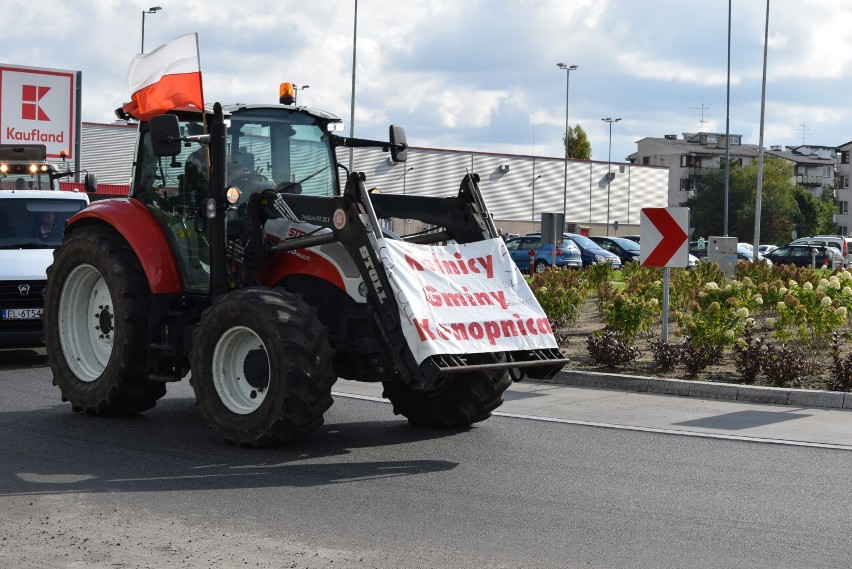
x: 167, y: 78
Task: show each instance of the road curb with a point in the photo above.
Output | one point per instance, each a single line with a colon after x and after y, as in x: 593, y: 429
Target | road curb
x: 705, y: 389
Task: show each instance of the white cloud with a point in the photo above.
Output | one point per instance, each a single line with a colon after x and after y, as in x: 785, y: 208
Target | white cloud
x: 478, y: 74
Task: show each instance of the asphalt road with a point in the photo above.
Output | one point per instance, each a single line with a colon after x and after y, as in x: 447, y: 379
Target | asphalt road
x: 541, y: 485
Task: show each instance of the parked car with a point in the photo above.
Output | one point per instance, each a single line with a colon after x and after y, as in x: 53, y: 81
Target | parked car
x: 765, y: 249
x: 804, y: 255
x: 745, y: 252
x: 691, y: 263
x: 567, y: 253
x: 841, y: 243
x: 626, y: 249
x: 592, y: 253
x: 31, y: 227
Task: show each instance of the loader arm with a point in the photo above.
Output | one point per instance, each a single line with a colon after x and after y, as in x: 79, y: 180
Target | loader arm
x: 353, y: 222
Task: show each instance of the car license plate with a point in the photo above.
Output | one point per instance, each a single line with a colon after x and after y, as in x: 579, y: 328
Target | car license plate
x: 22, y: 313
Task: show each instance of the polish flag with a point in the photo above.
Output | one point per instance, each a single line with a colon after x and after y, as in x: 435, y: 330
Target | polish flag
x: 166, y: 78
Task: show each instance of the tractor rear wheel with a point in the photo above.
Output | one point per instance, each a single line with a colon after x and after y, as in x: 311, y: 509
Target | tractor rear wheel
x: 262, y: 367
x: 463, y: 399
x: 97, y: 302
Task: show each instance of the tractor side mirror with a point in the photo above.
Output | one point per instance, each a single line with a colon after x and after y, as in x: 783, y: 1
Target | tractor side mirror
x: 398, y: 145
x: 91, y: 183
x: 165, y: 135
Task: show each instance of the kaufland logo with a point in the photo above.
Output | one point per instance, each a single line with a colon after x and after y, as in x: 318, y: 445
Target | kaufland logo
x: 39, y: 106
x: 31, y: 96
x: 32, y: 110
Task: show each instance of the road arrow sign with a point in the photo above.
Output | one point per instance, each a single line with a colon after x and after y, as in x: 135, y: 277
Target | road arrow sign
x: 663, y: 236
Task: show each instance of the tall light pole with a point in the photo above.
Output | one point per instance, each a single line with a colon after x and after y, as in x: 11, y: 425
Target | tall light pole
x: 352, y: 108
x: 151, y: 10
x: 759, y: 192
x: 568, y: 69
x: 728, y: 130
x: 532, y: 216
x: 609, y: 168
x: 296, y: 92
x: 404, y: 176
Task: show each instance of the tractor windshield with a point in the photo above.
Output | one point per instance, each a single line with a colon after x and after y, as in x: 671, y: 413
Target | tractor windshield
x: 289, y: 150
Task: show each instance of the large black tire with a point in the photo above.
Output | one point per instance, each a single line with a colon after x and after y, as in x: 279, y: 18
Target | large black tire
x: 262, y: 367
x: 463, y: 399
x: 96, y: 310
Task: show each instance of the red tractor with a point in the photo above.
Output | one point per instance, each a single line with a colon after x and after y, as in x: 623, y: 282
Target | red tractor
x: 239, y: 261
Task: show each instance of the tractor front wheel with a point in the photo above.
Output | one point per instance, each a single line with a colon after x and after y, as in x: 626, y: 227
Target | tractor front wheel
x: 462, y: 399
x: 262, y: 367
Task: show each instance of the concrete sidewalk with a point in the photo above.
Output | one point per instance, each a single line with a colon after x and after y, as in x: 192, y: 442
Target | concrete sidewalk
x: 706, y: 389
x: 678, y: 407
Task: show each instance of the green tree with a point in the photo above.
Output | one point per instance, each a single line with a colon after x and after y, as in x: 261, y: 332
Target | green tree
x: 816, y: 214
x: 784, y: 206
x: 577, y: 144
x: 778, y: 207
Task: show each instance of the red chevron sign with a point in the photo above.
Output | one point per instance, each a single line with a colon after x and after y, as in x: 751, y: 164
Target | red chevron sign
x: 663, y: 233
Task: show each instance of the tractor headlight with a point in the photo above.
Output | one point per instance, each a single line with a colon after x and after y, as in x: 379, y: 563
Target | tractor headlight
x: 232, y: 195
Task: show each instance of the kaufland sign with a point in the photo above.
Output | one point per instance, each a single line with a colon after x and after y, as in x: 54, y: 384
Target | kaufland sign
x: 39, y: 106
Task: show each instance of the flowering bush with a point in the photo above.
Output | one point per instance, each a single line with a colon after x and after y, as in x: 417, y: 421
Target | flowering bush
x: 630, y: 314
x: 713, y: 313
x: 718, y: 314
x: 561, y: 293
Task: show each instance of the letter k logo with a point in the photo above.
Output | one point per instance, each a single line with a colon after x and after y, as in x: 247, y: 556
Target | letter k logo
x: 30, y: 107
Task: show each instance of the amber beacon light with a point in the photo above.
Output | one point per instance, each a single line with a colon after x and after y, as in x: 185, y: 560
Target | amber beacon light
x: 286, y: 94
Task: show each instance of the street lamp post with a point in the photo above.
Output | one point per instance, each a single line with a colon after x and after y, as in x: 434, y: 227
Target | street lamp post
x: 296, y: 92
x: 568, y: 69
x: 404, y: 176
x: 151, y: 10
x: 352, y: 105
x: 532, y: 217
x: 609, y: 168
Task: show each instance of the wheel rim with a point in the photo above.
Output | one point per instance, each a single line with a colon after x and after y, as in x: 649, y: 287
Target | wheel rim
x: 86, y: 323
x: 540, y: 268
x: 241, y: 370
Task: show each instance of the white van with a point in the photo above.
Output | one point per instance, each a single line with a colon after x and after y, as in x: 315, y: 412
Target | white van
x: 844, y: 244
x: 31, y: 227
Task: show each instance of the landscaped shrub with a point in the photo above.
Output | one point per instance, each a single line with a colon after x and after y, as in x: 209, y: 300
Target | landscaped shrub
x: 599, y: 276
x: 804, y: 307
x: 809, y: 314
x: 627, y: 315
x: 607, y: 350
x: 684, y: 286
x: 561, y: 293
x: 666, y: 356
x: 750, y: 354
x: 841, y: 366
x: 716, y: 317
x: 696, y: 356
x: 782, y: 366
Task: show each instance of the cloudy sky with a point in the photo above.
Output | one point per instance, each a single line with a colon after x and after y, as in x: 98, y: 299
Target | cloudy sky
x: 479, y: 74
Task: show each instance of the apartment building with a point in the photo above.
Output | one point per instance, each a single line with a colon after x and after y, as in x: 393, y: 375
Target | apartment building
x: 842, y: 187
x: 816, y: 168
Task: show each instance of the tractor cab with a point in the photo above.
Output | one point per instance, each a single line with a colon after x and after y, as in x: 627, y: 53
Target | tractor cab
x: 196, y: 173
x: 266, y: 148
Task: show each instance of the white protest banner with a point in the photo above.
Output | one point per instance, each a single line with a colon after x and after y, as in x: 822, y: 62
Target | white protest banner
x: 463, y: 299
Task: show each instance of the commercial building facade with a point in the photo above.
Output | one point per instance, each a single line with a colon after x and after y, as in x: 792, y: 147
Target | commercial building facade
x: 517, y: 188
